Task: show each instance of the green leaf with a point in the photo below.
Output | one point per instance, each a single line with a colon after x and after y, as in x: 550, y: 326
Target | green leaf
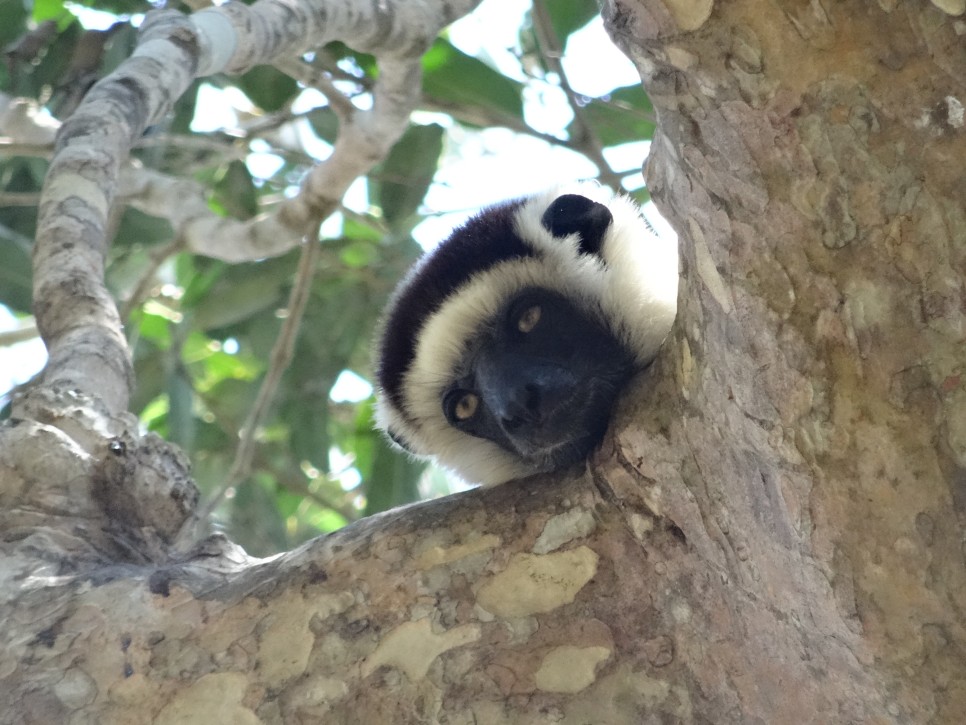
x: 181, y: 419
x: 360, y: 228
x: 358, y: 255
x: 308, y: 418
x: 268, y: 87
x: 325, y: 123
x: 136, y: 227
x: 49, y: 10
x: 242, y: 291
x: 454, y: 79
x: 325, y: 520
x: 287, y: 503
x: 13, y: 24
x: 394, y: 479
x: 229, y: 401
x: 54, y: 65
x: 197, y: 276
x: 364, y: 62
x: 18, y: 224
x: 390, y: 478
x: 118, y: 7
x: 154, y: 414
x: 641, y: 195
x: 123, y: 40
x: 220, y: 366
x: 156, y: 328
x: 15, y: 276
x: 149, y: 371
x: 337, y: 320
x: 623, y: 115
x: 255, y: 521
x: 235, y: 191
x: 407, y: 172
x: 179, y: 122
x: 238, y: 302
x: 566, y: 16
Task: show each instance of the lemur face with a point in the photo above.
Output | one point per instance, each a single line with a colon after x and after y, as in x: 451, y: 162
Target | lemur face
x: 504, y: 350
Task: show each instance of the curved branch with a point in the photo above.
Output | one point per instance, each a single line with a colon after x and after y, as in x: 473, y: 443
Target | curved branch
x: 279, y: 361
x: 76, y: 315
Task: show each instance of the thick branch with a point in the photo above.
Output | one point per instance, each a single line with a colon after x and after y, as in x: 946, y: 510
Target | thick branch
x: 75, y: 313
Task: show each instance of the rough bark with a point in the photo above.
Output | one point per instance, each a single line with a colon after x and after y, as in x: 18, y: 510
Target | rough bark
x: 773, y: 533
x: 812, y: 155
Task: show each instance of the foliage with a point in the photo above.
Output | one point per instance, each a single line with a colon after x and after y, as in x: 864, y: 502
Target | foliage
x: 201, y: 330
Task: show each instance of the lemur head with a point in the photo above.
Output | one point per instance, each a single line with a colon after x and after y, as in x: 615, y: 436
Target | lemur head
x: 504, y: 349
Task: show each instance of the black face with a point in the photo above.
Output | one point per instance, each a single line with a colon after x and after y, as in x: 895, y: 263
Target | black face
x: 541, y: 382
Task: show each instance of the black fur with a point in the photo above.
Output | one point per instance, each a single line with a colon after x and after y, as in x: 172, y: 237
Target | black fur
x: 482, y: 242
x: 554, y: 384
x: 504, y: 349
x: 572, y: 213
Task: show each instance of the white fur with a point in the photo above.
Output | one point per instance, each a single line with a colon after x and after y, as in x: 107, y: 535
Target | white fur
x: 635, y: 291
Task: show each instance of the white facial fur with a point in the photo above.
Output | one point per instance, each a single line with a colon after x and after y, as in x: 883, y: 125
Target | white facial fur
x: 634, y: 289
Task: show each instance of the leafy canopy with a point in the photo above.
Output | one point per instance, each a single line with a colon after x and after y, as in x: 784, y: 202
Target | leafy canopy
x: 201, y: 330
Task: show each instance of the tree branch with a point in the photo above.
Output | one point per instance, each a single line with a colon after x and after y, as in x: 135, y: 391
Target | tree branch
x: 144, y: 285
x: 551, y: 50
x: 26, y: 330
x: 278, y: 362
x: 76, y: 315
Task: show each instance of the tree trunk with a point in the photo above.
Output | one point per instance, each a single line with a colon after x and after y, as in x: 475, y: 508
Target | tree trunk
x: 772, y: 533
x: 813, y: 156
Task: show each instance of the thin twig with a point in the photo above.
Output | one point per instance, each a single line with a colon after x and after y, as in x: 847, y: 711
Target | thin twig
x: 552, y: 50
x: 19, y: 198
x: 13, y: 147
x: 279, y: 360
x: 27, y: 330
x: 143, y: 287
x: 321, y: 81
x: 486, y: 118
x: 225, y: 148
x: 344, y: 508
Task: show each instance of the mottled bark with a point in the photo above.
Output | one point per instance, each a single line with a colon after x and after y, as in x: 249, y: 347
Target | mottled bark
x: 813, y: 455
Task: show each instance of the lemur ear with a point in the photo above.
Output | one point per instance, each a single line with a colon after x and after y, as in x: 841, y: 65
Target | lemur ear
x: 572, y: 213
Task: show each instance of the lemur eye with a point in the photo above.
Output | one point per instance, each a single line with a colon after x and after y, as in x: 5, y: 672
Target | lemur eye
x: 461, y: 405
x: 466, y: 406
x: 529, y: 318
